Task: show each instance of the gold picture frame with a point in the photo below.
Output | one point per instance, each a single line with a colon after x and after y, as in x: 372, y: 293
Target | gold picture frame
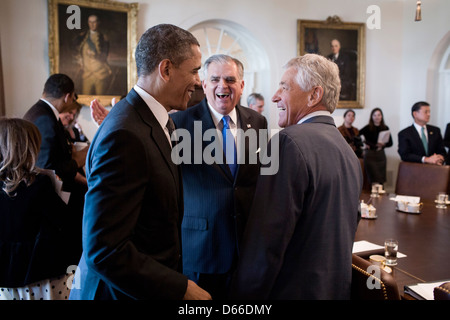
x: 102, y: 66
x: 316, y: 36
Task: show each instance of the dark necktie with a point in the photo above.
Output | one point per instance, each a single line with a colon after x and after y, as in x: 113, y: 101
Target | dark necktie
x: 229, y: 146
x: 171, y: 127
x: 424, y: 141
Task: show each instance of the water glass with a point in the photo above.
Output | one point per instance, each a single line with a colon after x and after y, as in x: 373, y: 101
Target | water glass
x: 442, y: 199
x: 390, y: 251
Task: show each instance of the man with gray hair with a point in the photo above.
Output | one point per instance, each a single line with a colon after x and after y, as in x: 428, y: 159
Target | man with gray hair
x: 299, y: 236
x: 255, y: 101
x: 218, y: 196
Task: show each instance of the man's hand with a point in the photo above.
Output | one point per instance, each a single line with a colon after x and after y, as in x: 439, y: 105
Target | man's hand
x: 194, y: 292
x: 98, y: 112
x: 435, y: 159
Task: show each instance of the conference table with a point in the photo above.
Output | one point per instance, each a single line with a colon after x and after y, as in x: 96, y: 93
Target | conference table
x: 424, y: 238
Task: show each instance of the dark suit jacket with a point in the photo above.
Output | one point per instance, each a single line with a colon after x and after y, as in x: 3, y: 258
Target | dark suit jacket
x: 216, y: 206
x: 133, y: 210
x: 410, y: 147
x: 55, y: 152
x: 299, y: 237
x: 34, y: 240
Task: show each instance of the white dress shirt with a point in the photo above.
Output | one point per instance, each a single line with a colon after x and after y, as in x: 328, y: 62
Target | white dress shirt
x: 156, y: 108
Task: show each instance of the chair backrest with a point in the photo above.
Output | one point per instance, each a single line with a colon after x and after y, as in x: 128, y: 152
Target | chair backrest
x: 371, y: 283
x: 422, y: 180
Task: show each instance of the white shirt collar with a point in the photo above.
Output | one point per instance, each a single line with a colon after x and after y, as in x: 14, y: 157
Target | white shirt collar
x: 314, y: 114
x: 217, y: 117
x: 157, y: 109
x: 55, y: 111
x: 419, y: 129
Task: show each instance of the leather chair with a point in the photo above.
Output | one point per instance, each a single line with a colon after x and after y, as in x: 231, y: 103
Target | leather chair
x: 442, y: 292
x: 388, y: 289
x: 422, y: 180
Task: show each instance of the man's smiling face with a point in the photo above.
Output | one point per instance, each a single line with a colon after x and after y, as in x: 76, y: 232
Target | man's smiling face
x: 223, y: 86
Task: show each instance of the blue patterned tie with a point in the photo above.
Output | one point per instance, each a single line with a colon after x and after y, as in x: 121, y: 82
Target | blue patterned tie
x: 424, y: 141
x: 230, y: 148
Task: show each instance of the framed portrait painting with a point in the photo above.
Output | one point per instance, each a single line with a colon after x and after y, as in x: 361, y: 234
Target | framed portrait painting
x: 93, y: 42
x: 343, y: 43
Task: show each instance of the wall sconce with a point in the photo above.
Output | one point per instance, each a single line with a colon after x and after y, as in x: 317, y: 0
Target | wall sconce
x: 418, y: 11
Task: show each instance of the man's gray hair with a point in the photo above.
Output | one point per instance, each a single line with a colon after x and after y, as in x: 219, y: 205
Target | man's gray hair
x: 222, y: 59
x: 315, y: 70
x: 253, y: 97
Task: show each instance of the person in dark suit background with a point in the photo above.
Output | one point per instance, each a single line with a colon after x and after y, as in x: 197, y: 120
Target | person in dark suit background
x: 299, y: 236
x: 421, y: 142
x: 134, y: 205
x: 216, y: 199
x: 447, y: 136
x: 447, y: 142
x: 35, y: 245
x: 56, y: 152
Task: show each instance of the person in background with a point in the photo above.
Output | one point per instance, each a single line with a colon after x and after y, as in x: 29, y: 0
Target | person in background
x: 299, y: 236
x: 35, y: 245
x: 350, y: 133
x: 447, y: 142
x: 421, y: 142
x: 134, y: 205
x: 374, y: 156
x: 255, y: 101
x: 217, y: 196
x: 56, y: 153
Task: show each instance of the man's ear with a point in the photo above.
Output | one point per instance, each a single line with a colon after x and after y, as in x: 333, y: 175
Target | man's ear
x: 315, y: 96
x: 165, y: 67
x: 66, y: 97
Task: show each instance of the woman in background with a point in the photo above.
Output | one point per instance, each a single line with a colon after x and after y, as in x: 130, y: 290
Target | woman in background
x: 374, y: 155
x: 350, y: 133
x: 34, y: 246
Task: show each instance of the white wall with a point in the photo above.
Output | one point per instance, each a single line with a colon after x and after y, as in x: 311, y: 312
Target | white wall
x: 398, y: 55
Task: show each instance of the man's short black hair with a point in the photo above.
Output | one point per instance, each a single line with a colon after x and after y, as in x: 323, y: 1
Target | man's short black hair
x: 416, y: 106
x: 58, y: 85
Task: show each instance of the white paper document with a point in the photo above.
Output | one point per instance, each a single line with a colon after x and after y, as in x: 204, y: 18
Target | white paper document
x: 383, y: 136
x: 424, y: 290
x: 363, y: 245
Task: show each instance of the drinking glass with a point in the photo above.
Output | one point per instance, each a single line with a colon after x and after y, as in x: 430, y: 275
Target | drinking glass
x: 390, y: 251
x: 442, y: 199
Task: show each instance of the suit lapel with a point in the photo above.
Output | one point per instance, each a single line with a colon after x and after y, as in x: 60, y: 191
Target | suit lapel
x: 205, y: 117
x: 157, y: 133
x: 418, y: 139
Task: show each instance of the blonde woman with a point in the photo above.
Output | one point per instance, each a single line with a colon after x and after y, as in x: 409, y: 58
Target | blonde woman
x: 34, y: 249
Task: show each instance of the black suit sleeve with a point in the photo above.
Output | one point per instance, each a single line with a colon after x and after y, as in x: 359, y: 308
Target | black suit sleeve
x: 112, y: 224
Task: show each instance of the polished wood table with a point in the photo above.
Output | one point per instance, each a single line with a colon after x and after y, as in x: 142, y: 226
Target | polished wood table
x: 424, y: 238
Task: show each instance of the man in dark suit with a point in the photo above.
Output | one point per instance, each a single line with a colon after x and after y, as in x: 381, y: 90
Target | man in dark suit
x: 56, y: 153
x: 421, y: 142
x: 299, y: 236
x: 217, y: 197
x: 134, y: 205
